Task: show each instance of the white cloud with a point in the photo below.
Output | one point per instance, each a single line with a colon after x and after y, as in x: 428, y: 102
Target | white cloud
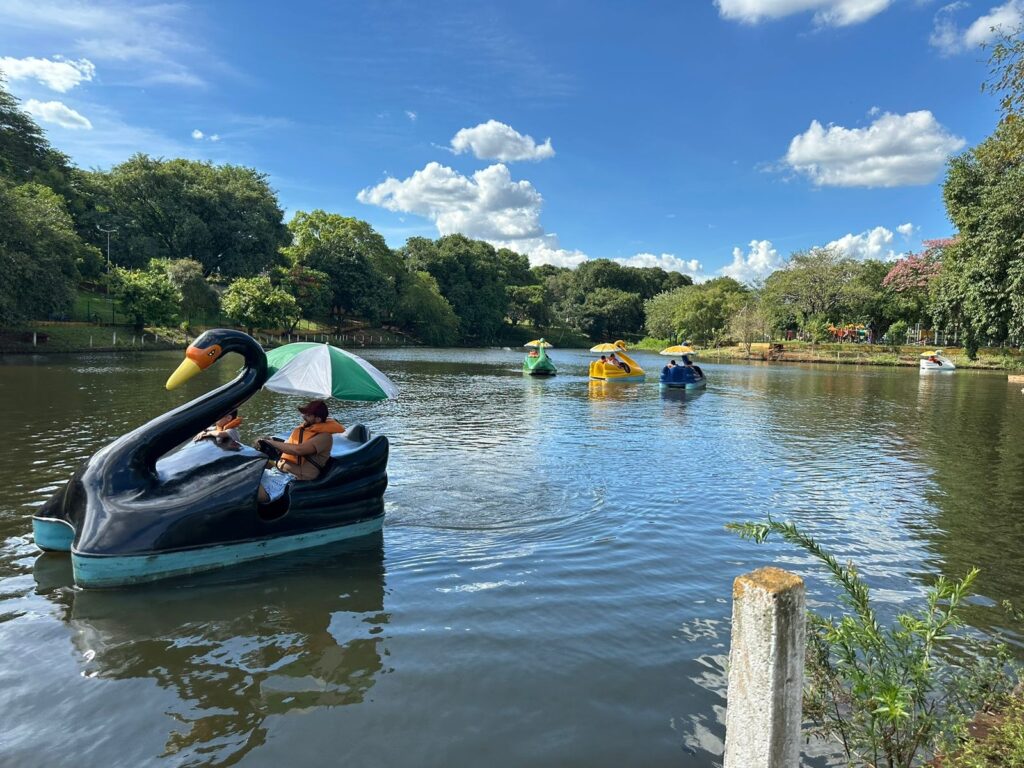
x: 490, y: 205
x: 667, y: 261
x: 496, y: 141
x: 906, y: 229
x: 411, y: 115
x: 760, y: 260
x: 197, y: 135
x: 215, y: 137
x: 894, y: 151
x: 834, y: 13
x: 57, y: 74
x: 144, y: 37
x: 1003, y: 18
x: 870, y: 244
x: 58, y: 113
x: 950, y: 39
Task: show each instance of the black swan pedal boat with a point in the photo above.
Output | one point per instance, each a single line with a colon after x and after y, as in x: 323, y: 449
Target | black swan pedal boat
x: 138, y: 510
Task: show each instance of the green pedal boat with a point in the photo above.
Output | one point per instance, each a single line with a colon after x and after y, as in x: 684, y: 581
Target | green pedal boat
x: 537, y: 362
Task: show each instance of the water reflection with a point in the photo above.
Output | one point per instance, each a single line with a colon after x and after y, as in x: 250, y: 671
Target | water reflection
x: 289, y: 635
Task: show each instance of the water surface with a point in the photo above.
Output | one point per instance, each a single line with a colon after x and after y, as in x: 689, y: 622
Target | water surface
x: 551, y: 587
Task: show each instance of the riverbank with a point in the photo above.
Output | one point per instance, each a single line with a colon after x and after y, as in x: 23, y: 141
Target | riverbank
x: 72, y: 337
x: 61, y: 338
x: 852, y: 354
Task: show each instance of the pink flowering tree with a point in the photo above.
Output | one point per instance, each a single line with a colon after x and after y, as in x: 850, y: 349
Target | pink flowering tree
x: 910, y: 279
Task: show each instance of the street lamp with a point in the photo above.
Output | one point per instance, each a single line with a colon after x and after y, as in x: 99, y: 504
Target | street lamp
x: 108, y: 231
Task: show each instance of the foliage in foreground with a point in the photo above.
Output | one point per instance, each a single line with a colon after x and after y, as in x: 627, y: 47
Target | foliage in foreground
x: 891, y: 695
x: 1001, y: 747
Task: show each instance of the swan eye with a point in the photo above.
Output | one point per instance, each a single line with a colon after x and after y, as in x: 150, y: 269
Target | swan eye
x: 212, y: 353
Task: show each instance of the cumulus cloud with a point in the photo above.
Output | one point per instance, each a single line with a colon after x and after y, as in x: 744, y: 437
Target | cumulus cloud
x: 411, y: 115
x: 871, y: 244
x: 906, y: 229
x: 950, y: 39
x: 197, y: 135
x: 153, y: 40
x: 496, y: 141
x: 834, y: 13
x: 490, y: 205
x: 894, y: 151
x: 57, y: 74
x: 58, y: 113
x: 667, y: 261
x: 760, y: 260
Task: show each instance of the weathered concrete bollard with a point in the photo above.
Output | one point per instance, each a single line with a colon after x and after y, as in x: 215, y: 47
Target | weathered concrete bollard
x: 766, y: 670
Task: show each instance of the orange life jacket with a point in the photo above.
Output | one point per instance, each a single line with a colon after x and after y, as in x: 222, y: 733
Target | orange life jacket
x: 235, y: 423
x: 301, y: 434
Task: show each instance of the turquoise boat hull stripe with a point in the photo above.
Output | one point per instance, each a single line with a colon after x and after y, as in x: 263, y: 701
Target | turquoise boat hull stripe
x: 117, y: 571
x: 52, y: 535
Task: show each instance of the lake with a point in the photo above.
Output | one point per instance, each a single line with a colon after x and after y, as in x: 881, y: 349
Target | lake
x: 551, y: 586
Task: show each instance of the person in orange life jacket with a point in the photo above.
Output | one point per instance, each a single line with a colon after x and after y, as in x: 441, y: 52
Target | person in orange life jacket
x: 224, y: 432
x: 304, y: 454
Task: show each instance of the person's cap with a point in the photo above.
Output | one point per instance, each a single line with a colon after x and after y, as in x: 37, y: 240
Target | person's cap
x: 316, y: 408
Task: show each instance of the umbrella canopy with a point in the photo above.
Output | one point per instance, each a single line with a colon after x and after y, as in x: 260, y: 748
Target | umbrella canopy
x: 538, y: 343
x: 678, y: 349
x: 618, y: 346
x: 936, y: 353
x: 320, y: 370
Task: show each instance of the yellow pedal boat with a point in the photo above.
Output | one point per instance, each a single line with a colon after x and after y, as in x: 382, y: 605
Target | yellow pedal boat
x: 626, y: 369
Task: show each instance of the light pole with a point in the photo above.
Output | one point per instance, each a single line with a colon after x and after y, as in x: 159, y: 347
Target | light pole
x: 108, y: 231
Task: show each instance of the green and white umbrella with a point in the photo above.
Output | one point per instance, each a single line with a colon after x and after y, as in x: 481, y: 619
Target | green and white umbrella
x: 323, y: 371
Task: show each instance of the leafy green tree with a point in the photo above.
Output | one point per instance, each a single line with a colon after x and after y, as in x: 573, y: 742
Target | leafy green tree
x: 748, y: 323
x: 352, y: 255
x: 529, y: 303
x: 39, y: 251
x: 981, y: 286
x: 254, y: 302
x: 515, y: 268
x: 147, y: 296
x: 311, y: 289
x: 695, y: 313
x: 424, y: 311
x: 226, y: 217
x: 1006, y: 80
x: 469, y: 274
x: 813, y: 283
x: 609, y: 314
x: 186, y: 275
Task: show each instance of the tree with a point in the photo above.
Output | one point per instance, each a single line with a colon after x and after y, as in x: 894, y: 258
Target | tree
x: 253, y: 302
x: 469, y: 274
x: 748, y: 324
x: 424, y: 311
x: 811, y: 285
x: 186, y: 275
x: 1006, y: 79
x: 697, y: 313
x: 529, y: 302
x: 147, y: 296
x: 226, y: 217
x: 608, y: 313
x: 911, y: 279
x: 39, y: 253
x: 311, y: 289
x: 352, y: 255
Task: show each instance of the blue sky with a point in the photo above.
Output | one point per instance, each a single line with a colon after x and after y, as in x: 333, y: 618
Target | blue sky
x: 712, y: 137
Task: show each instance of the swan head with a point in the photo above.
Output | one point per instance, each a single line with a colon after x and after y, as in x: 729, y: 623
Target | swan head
x: 207, y: 349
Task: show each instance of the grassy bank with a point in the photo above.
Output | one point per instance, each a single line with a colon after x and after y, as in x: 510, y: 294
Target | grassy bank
x: 865, y: 354
x: 564, y: 338
x: 54, y: 337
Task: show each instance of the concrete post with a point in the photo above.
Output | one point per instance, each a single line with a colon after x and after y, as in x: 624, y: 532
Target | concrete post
x: 766, y: 670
